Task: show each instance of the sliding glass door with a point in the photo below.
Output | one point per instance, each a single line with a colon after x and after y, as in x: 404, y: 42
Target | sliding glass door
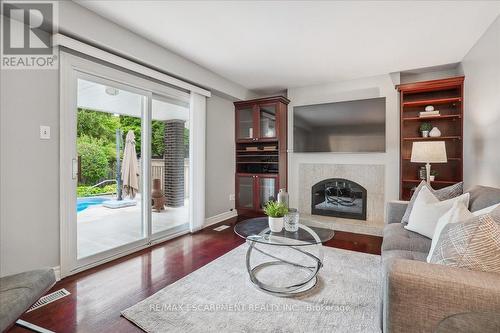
x: 129, y: 142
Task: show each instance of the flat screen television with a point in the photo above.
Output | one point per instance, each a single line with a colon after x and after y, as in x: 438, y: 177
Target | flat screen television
x: 342, y: 127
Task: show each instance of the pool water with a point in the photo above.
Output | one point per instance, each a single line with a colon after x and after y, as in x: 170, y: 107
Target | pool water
x: 83, y: 203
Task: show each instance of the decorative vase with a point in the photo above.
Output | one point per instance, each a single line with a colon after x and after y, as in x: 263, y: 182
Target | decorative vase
x: 425, y: 134
x: 283, y: 197
x: 431, y: 178
x: 157, y: 196
x: 292, y: 220
x: 435, y: 132
x: 276, y: 224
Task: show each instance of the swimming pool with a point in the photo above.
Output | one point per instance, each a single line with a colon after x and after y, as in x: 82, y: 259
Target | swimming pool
x: 83, y: 203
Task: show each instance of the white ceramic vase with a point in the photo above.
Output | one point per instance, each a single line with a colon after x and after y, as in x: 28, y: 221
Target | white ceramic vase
x: 276, y: 223
x: 435, y: 132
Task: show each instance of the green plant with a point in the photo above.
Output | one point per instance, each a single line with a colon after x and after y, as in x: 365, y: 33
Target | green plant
x: 275, y: 209
x: 425, y: 127
x: 88, y: 191
x: 434, y: 173
x: 93, y: 159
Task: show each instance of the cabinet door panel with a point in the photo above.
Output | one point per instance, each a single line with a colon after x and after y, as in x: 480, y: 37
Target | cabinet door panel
x: 245, y: 128
x: 245, y: 191
x: 268, y: 121
x: 268, y: 189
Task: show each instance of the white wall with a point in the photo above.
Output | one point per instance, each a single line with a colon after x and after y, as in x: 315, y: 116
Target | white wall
x: 220, y: 164
x: 378, y: 86
x: 481, y: 67
x: 29, y: 190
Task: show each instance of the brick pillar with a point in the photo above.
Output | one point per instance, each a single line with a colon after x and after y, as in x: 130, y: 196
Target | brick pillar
x: 174, y: 163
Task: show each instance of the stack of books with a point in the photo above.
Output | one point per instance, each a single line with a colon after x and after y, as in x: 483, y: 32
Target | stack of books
x: 271, y: 148
x: 424, y: 114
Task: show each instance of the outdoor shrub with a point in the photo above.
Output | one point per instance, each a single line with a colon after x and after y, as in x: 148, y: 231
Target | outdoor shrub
x: 93, y: 159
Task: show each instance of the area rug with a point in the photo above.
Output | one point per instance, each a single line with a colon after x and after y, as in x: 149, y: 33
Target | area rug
x: 219, y: 297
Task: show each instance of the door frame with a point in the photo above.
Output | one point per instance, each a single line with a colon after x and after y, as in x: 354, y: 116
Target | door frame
x: 73, y: 67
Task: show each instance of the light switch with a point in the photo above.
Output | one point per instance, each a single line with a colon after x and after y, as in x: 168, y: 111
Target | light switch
x: 44, y: 132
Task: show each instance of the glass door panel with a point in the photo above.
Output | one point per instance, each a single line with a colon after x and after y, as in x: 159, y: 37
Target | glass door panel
x: 169, y: 164
x: 109, y: 198
x: 245, y: 125
x: 245, y: 191
x: 267, y: 190
x: 267, y: 116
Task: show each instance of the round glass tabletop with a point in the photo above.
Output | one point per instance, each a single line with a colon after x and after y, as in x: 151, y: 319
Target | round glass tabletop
x: 257, y: 230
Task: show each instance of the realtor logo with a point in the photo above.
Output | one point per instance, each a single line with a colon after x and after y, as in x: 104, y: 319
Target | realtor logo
x: 27, y: 29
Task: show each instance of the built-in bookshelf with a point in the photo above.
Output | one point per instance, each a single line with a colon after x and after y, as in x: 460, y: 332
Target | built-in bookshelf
x: 446, y: 96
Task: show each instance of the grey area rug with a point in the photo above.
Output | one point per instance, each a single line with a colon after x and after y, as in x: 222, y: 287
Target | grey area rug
x: 219, y: 297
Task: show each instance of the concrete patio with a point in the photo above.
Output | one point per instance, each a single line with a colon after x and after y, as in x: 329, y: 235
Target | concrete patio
x: 101, y: 228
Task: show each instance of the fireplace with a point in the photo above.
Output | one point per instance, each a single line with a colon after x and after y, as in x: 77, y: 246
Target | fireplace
x: 339, y: 197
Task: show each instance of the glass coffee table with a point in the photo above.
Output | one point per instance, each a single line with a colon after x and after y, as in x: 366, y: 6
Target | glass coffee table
x: 258, y: 235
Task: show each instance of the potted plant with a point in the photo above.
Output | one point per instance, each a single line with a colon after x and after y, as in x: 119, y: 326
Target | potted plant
x: 276, y: 212
x: 433, y: 175
x: 425, y: 128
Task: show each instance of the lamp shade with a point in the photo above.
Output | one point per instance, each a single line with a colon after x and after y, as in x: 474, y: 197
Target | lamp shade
x: 428, y: 152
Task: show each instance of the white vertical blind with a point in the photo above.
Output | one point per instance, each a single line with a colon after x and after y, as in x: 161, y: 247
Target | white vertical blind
x: 197, y: 114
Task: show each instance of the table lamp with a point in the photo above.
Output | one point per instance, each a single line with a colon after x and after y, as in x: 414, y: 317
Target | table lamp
x: 428, y: 152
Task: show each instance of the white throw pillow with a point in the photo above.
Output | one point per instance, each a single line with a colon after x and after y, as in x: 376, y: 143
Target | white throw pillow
x: 428, y: 209
x: 457, y: 213
x: 486, y: 210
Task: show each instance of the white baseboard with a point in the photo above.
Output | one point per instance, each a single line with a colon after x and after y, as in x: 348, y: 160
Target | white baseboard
x: 57, y: 272
x: 220, y: 217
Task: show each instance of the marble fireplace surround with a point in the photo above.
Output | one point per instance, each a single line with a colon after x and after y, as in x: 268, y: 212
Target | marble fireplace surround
x: 370, y: 176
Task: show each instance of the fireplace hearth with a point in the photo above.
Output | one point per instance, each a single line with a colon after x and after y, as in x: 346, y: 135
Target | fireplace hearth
x: 340, y: 198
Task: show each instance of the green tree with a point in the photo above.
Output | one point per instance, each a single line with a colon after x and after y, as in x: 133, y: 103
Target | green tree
x: 93, y: 159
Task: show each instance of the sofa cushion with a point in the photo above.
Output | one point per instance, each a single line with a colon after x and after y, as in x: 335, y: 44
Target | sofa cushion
x: 18, y: 292
x: 396, y: 237
x: 389, y: 256
x: 482, y: 197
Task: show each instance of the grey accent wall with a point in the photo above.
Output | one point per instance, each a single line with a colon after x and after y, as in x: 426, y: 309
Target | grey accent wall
x: 220, y: 164
x: 29, y: 183
x: 481, y: 67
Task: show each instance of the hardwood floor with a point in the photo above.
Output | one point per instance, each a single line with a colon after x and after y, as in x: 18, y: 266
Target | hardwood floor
x: 99, y: 294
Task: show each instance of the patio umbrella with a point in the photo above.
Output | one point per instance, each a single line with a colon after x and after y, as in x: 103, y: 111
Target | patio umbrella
x: 130, y: 167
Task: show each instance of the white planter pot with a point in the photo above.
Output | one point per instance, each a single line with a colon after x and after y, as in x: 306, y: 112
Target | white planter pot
x: 276, y: 223
x: 425, y: 134
x: 432, y: 178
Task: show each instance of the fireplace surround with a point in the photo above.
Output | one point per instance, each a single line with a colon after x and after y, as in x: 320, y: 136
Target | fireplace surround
x: 339, y: 197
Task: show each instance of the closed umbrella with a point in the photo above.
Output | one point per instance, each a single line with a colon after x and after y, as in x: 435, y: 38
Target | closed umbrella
x: 130, y: 167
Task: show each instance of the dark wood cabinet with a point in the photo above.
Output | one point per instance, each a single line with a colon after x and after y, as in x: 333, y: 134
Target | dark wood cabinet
x: 261, y: 152
x: 446, y: 95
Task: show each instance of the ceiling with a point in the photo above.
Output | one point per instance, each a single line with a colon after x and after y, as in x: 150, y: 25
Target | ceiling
x: 268, y: 46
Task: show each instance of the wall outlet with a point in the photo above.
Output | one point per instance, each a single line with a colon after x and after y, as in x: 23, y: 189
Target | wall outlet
x: 44, y: 132
x: 232, y: 197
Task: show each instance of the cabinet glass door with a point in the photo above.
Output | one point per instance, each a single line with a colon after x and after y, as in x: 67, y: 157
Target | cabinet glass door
x: 245, y: 126
x: 267, y: 116
x: 267, y: 190
x: 245, y: 192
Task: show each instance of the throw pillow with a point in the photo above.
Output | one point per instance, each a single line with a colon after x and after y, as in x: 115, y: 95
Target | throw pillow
x: 442, y: 194
x: 473, y: 244
x: 428, y: 209
x: 458, y: 213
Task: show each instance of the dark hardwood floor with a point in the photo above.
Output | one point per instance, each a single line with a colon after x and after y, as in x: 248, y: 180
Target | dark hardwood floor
x: 99, y: 294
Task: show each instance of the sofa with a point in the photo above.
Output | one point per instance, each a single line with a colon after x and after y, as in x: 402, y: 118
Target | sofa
x: 18, y: 292
x: 417, y: 295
